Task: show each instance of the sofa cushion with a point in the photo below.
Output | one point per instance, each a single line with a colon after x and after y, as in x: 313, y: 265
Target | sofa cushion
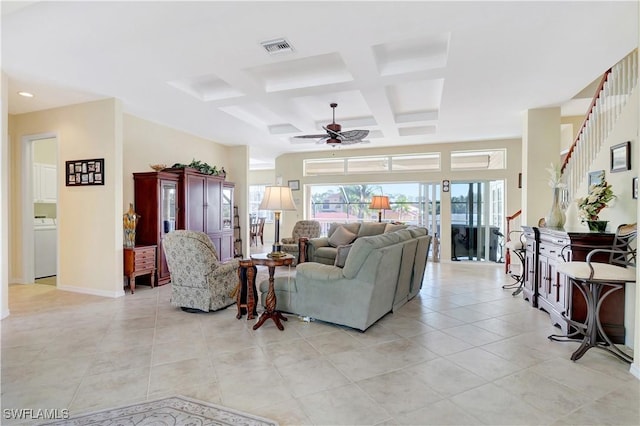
x: 371, y: 228
x: 353, y: 227
x: 417, y: 231
x: 341, y: 237
x: 341, y: 255
x: 391, y: 227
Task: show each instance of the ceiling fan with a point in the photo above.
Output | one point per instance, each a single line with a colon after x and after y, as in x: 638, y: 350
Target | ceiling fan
x: 335, y: 136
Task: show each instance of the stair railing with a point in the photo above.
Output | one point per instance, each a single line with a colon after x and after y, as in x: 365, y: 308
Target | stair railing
x: 612, y: 94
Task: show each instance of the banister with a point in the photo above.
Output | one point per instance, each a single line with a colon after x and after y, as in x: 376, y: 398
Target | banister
x: 596, y: 96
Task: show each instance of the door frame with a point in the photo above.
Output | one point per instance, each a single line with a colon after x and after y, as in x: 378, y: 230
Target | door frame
x: 28, y: 249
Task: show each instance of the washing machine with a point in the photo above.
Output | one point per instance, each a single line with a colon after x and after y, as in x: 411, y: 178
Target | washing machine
x: 45, y: 233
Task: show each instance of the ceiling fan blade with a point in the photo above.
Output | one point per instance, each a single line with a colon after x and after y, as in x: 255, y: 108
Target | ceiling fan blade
x: 349, y: 135
x: 311, y: 136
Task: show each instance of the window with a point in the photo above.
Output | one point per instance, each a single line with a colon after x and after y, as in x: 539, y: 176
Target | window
x: 256, y: 193
x: 324, y: 167
x: 411, y: 163
x: 378, y: 164
x: 478, y: 160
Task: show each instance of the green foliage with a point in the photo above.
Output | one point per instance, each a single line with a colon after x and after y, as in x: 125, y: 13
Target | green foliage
x: 202, y: 168
x: 599, y: 196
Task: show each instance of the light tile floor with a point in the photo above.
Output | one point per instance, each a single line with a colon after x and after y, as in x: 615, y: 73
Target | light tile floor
x: 464, y: 351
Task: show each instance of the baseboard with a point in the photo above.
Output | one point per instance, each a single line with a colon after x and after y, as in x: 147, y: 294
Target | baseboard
x: 4, y: 314
x: 93, y: 292
x: 635, y: 370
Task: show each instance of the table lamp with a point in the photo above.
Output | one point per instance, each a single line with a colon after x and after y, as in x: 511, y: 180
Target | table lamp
x: 277, y: 199
x: 380, y: 202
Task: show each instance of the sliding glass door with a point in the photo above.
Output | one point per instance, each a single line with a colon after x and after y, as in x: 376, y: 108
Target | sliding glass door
x: 477, y: 217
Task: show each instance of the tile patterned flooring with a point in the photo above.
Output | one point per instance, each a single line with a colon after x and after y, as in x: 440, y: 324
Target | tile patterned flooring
x: 464, y: 351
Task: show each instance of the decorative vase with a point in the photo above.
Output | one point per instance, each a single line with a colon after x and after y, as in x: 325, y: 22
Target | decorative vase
x: 129, y: 221
x: 597, y: 225
x: 556, y: 217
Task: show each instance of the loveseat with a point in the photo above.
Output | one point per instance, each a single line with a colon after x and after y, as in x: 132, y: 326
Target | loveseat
x: 381, y: 273
x: 325, y: 249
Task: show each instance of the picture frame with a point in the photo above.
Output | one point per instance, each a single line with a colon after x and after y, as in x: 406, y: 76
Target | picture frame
x: 621, y: 157
x: 634, y: 188
x: 294, y: 185
x: 84, y: 172
x: 595, y: 178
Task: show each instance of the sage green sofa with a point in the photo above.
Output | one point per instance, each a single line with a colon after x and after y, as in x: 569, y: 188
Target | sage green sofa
x: 381, y: 273
x: 324, y: 250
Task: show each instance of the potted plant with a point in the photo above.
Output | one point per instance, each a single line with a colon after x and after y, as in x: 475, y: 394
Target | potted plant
x: 600, y: 194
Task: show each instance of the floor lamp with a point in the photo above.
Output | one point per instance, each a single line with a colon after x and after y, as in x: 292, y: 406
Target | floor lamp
x: 277, y: 199
x: 380, y: 202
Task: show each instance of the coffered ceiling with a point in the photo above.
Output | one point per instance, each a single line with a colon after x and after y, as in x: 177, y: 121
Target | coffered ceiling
x: 409, y: 72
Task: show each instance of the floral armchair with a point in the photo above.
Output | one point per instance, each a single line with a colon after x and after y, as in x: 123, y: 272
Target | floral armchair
x: 198, y: 280
x: 302, y: 228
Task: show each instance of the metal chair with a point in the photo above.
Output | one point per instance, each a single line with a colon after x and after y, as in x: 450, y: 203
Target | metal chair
x: 596, y: 281
x: 518, y: 246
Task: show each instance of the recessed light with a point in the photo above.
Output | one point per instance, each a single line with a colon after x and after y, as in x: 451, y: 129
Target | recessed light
x: 26, y: 94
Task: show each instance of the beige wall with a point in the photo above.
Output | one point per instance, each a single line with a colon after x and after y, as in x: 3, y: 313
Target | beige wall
x: 289, y: 166
x: 89, y: 251
x: 4, y: 198
x: 623, y: 210
x: 540, y: 148
x: 148, y: 143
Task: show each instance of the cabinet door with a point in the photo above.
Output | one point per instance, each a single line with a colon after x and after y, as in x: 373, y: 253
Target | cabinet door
x: 45, y: 184
x: 36, y: 183
x: 195, y: 203
x: 529, y: 290
x: 48, y: 183
x: 213, y: 201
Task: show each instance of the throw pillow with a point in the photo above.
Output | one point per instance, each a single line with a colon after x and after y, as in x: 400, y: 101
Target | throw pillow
x: 341, y: 237
x: 341, y: 255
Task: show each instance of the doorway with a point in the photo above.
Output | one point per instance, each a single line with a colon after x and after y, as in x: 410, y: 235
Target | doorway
x: 477, y: 216
x: 40, y: 208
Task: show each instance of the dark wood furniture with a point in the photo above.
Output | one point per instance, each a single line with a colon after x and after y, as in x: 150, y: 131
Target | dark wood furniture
x: 256, y: 230
x: 139, y: 260
x: 156, y: 202
x: 270, y: 301
x: 202, y: 206
x: 237, y: 234
x: 551, y: 291
x: 246, y: 292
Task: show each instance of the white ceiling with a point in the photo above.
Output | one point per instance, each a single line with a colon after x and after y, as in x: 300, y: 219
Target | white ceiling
x: 410, y: 72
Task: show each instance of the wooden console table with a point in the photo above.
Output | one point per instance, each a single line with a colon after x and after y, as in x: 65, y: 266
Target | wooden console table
x: 270, y: 302
x: 552, y: 292
x: 139, y: 260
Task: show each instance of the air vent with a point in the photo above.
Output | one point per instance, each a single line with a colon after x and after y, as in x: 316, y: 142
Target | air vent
x: 277, y: 46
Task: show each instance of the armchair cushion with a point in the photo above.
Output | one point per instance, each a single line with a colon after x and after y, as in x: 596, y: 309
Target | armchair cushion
x: 341, y: 237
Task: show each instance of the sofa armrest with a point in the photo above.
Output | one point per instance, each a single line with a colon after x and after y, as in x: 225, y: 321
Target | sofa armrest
x: 288, y: 240
x: 319, y: 242
x: 319, y: 272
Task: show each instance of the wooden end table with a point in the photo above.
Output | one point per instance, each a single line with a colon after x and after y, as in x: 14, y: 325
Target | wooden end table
x: 139, y: 260
x: 270, y: 302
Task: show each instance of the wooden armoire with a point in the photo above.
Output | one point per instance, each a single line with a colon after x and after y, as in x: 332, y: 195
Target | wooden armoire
x: 183, y: 198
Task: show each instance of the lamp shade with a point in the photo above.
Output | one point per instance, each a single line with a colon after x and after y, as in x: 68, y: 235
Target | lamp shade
x: 380, y: 202
x: 277, y: 198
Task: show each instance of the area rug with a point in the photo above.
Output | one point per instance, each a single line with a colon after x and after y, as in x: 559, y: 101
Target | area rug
x: 173, y: 411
